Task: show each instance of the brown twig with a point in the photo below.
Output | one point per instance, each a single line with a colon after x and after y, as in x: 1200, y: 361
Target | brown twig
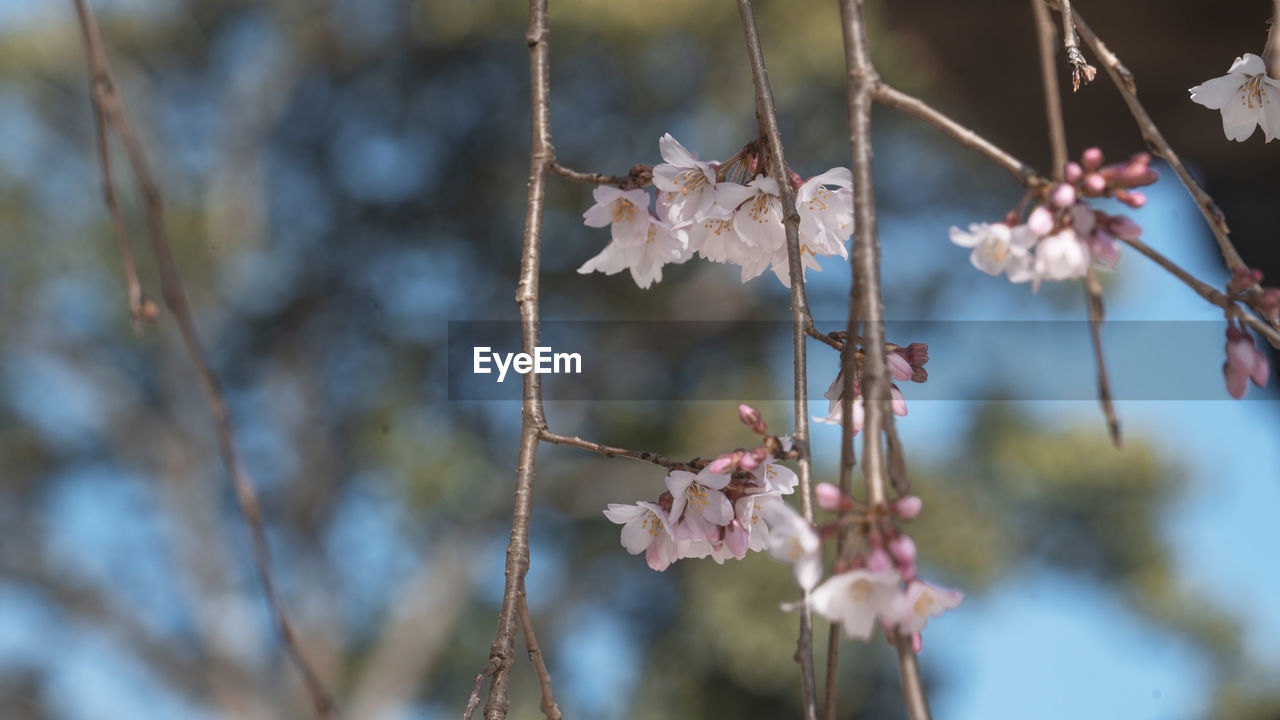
x: 541, y: 156
x: 1093, y: 295
x: 110, y: 116
x: 1082, y: 73
x: 1123, y: 80
x: 549, y: 707
x: 608, y: 451
x: 1049, y: 82
x: 888, y: 95
x: 640, y: 176
x: 866, y: 308
x: 767, y: 119
x: 1208, y: 292
x: 1271, y: 51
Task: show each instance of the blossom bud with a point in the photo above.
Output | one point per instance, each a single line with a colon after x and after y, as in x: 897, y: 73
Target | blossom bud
x: 1063, y: 196
x: 1269, y: 304
x: 748, y: 461
x: 878, y: 561
x: 1091, y: 158
x: 1244, y: 362
x: 1140, y: 158
x: 918, y: 354
x: 1136, y: 176
x: 748, y: 415
x: 1120, y: 226
x: 796, y: 180
x: 1073, y: 172
x: 903, y: 549
x: 722, y: 465
x: 907, y: 506
x: 1133, y: 199
x: 1094, y: 184
x: 1040, y: 221
x: 1242, y: 279
x: 899, y: 367
x: 829, y: 496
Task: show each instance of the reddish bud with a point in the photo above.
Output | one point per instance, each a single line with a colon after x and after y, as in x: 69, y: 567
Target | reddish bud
x: 829, y: 496
x: 722, y: 465
x: 1094, y: 184
x: 907, y: 506
x: 1064, y: 196
x: 1073, y: 172
x: 1091, y: 159
x: 1133, y: 199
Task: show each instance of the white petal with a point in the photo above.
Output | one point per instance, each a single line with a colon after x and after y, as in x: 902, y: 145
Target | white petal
x: 611, y: 260
x: 1216, y: 93
x: 1248, y: 64
x: 1238, y: 121
x: 621, y: 514
x: 636, y: 537
x: 673, y: 152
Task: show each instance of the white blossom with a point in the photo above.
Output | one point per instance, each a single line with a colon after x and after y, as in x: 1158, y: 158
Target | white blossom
x: 687, y: 183
x: 1247, y: 97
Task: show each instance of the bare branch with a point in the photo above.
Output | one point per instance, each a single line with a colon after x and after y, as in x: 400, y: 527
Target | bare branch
x: 1123, y: 80
x: 865, y: 308
x: 1093, y: 294
x: 608, y: 451
x: 1082, y: 73
x: 1271, y: 53
x: 1208, y: 292
x: 888, y: 95
x: 541, y: 156
x: 110, y: 116
x: 549, y: 707
x: 767, y: 119
x: 1049, y: 80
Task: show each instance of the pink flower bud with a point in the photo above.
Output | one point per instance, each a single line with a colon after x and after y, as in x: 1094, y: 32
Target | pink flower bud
x: 1140, y: 158
x: 899, y: 367
x: 897, y: 402
x: 1242, y: 279
x: 907, y: 506
x: 1094, y: 184
x: 722, y: 465
x: 1121, y: 227
x: 796, y: 180
x: 1091, y: 158
x: 1040, y: 221
x: 1064, y: 196
x: 748, y: 415
x: 878, y: 561
x: 829, y: 496
x: 903, y: 549
x: 1269, y: 304
x: 1073, y: 172
x: 917, y: 642
x: 1134, y: 199
x: 1244, y: 362
x: 749, y: 461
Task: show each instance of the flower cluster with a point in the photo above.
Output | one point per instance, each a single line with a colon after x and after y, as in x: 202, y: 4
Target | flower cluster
x: 879, y: 584
x: 1247, y: 97
x: 699, y: 210
x: 1062, y: 237
x: 729, y: 507
x: 905, y: 363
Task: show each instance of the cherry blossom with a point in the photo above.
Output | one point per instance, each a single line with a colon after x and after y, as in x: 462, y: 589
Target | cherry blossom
x: 626, y: 212
x: 793, y: 540
x: 645, y: 529
x: 698, y: 507
x: 687, y: 183
x: 923, y: 600
x: 998, y: 248
x: 663, y: 244
x: 1247, y: 97
x: 856, y: 599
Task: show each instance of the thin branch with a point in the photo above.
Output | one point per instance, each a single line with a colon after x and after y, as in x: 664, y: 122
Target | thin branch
x: 541, y: 156
x: 1049, y: 81
x: 110, y: 115
x: 822, y: 337
x: 767, y: 119
x: 640, y: 176
x: 865, y: 307
x: 1207, y: 292
x: 888, y: 95
x: 1123, y: 80
x: 608, y: 451
x: 1271, y: 52
x: 1093, y: 294
x: 1082, y: 73
x: 549, y: 707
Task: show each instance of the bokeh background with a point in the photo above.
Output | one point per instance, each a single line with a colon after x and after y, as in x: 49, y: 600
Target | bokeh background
x: 346, y: 177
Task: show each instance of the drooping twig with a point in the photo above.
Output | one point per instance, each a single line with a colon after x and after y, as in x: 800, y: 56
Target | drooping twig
x: 639, y: 176
x: 886, y: 94
x: 1271, y: 52
x: 541, y: 156
x: 607, y: 451
x: 110, y: 116
x: 1123, y: 80
x: 767, y: 117
x: 1082, y: 73
x: 1093, y: 295
x: 1049, y: 82
x: 1206, y: 291
x: 549, y: 707
x: 866, y: 308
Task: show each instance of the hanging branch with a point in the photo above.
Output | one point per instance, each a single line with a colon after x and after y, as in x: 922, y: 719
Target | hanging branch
x: 534, y: 422
x: 110, y: 117
x: 1082, y: 73
x: 767, y: 118
x: 1123, y: 81
x: 607, y: 451
x: 549, y: 707
x: 1049, y: 80
x: 865, y: 306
